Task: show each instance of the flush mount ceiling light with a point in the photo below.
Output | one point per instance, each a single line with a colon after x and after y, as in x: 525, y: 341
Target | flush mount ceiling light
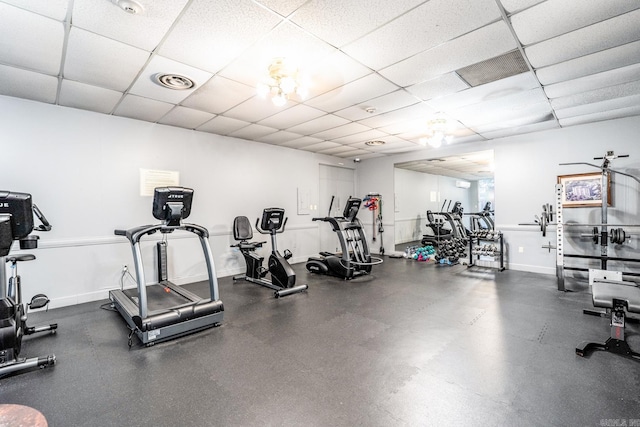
x: 283, y: 82
x: 174, y: 81
x: 129, y: 6
x: 376, y: 143
x: 437, y: 133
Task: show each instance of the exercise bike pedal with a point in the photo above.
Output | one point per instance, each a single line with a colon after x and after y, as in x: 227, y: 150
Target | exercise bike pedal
x: 38, y: 301
x: 287, y: 254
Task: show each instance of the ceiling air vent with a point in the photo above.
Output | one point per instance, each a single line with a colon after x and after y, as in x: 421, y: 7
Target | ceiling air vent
x: 493, y: 69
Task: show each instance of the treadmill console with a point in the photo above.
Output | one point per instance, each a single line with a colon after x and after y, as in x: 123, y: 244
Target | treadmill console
x: 171, y: 204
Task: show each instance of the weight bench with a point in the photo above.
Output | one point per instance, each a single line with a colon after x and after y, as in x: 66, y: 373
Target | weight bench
x: 616, y: 296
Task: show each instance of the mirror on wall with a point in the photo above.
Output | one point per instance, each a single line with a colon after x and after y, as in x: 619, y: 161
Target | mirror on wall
x: 436, y: 184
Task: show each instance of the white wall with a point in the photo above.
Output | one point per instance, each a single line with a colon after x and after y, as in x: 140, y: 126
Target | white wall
x: 526, y: 170
x: 82, y: 169
x: 413, y: 197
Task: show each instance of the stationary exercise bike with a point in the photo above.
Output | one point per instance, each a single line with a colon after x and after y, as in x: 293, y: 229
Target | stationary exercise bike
x: 16, y: 223
x: 283, y: 278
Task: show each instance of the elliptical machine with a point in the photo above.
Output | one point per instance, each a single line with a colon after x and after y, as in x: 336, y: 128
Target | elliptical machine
x: 355, y: 258
x: 283, y: 278
x: 16, y: 223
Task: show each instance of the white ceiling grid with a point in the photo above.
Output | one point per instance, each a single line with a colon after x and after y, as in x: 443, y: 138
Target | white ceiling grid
x: 378, y: 69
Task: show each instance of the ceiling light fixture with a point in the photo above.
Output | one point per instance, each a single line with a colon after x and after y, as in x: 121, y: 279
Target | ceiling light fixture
x: 437, y: 134
x: 376, y: 143
x: 283, y: 82
x: 174, y: 81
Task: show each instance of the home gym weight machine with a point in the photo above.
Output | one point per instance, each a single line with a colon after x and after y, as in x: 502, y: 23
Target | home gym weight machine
x: 16, y: 223
x: 283, y: 278
x: 354, y: 259
x: 163, y: 311
x: 604, y: 236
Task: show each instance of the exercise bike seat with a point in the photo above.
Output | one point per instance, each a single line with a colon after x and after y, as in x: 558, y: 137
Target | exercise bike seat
x: 242, y: 228
x: 18, y: 258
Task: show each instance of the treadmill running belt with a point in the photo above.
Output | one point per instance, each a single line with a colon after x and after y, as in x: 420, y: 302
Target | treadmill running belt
x: 158, y: 298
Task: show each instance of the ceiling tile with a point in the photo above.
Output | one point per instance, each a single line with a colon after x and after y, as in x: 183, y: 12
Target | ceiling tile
x: 305, y: 141
x: 390, y: 142
x: 283, y: 7
x: 328, y: 121
x: 279, y: 137
x: 218, y: 95
x: 484, y: 43
x: 30, y: 41
x: 137, y: 107
x: 500, y: 129
x: 505, y: 87
x: 353, y: 154
x: 321, y: 146
x: 332, y: 20
x: 392, y: 42
x: 145, y: 84
x: 87, y: 97
x: 605, y: 115
x: 211, y: 33
x: 605, y: 60
x: 222, y: 125
x: 253, y: 132
x: 516, y: 5
x: 382, y: 104
x: 594, y: 81
x: 555, y: 17
x: 144, y: 30
x: 443, y: 85
x: 102, y: 62
x: 56, y: 9
x: 416, y: 111
x: 186, y: 118
x: 292, y: 116
x: 597, y: 95
x: 336, y: 150
x: 523, y: 104
x: 361, y: 90
x: 599, y: 107
x: 285, y: 41
x: 603, y: 35
x: 369, y: 135
x: 28, y: 84
x: 340, y: 131
x: 255, y: 109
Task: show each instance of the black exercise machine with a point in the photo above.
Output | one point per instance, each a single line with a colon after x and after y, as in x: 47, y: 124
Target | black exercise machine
x: 283, y: 278
x: 16, y: 223
x: 482, y: 220
x: 354, y: 259
x: 163, y: 311
x: 615, y: 296
x: 443, y: 226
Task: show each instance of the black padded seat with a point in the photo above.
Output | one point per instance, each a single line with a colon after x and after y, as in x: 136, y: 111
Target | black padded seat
x: 605, y: 291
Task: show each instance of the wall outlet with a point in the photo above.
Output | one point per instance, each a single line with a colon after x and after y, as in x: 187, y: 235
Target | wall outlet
x: 520, y: 249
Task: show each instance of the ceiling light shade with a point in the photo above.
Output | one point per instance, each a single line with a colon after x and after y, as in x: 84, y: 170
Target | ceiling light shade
x: 283, y: 82
x: 437, y: 133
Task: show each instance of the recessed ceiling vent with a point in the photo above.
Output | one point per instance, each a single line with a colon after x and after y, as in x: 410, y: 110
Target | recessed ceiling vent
x: 493, y: 69
x: 174, y: 81
x: 374, y: 143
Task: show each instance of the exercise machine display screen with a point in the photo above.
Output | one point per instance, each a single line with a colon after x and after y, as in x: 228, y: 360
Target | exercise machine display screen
x: 19, y: 207
x: 172, y: 203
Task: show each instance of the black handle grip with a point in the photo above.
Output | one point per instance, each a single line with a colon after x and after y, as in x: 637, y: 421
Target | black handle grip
x: 120, y: 232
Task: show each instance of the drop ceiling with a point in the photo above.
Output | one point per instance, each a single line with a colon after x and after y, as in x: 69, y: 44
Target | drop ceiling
x: 470, y: 166
x: 378, y: 69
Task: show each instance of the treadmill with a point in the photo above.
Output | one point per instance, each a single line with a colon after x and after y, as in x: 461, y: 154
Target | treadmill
x: 163, y: 311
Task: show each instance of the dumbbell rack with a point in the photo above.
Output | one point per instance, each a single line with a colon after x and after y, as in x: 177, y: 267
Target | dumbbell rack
x: 477, y: 249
